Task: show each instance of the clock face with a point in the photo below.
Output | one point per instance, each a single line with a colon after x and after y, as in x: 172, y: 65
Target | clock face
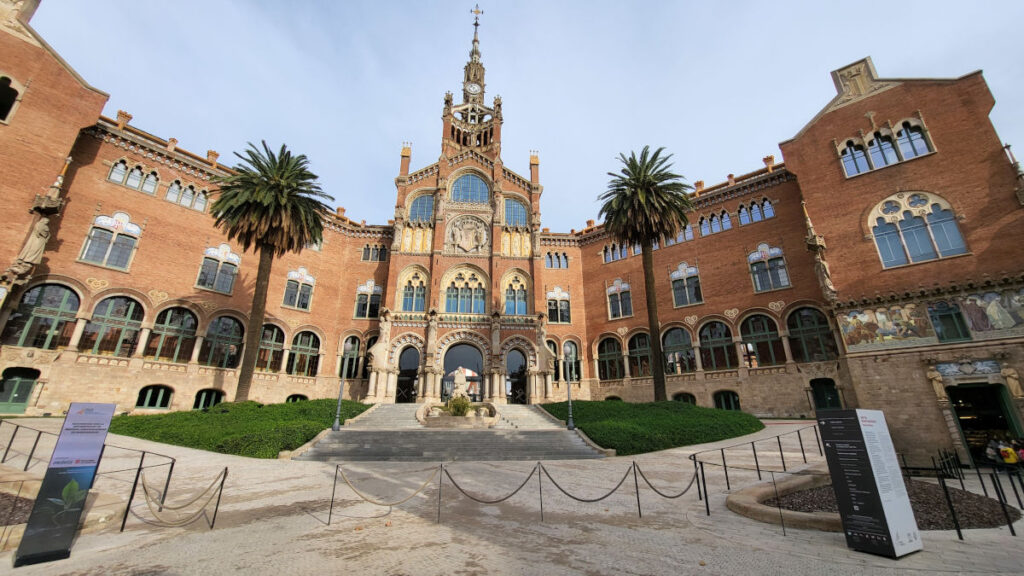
x: 473, y: 88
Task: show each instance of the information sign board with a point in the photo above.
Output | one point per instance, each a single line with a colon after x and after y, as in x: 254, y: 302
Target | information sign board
x: 872, y: 498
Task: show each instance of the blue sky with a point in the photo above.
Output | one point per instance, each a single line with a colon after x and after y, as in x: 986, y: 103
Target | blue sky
x: 719, y: 84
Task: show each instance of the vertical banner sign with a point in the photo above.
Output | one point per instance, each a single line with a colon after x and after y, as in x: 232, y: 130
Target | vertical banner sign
x: 866, y: 477
x: 61, y: 500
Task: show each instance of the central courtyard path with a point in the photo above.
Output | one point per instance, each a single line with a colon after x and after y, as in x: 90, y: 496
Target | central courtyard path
x: 273, y: 520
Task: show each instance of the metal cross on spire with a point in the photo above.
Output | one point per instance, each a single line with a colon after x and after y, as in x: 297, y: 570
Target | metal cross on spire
x: 476, y: 12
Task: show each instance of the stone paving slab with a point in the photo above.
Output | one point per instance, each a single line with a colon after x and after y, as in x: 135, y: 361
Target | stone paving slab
x: 274, y: 513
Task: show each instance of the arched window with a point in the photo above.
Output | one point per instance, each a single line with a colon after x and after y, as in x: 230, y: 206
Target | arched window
x: 948, y: 322
x: 755, y: 212
x: 810, y: 338
x: 906, y: 230
x: 515, y: 213
x: 727, y: 400
x: 45, y: 318
x: 298, y: 290
x: 565, y: 260
x: 726, y: 221
x: 188, y: 193
x: 200, y: 202
x: 768, y: 268
x: 134, y: 178
x: 717, y: 351
x: 305, y: 354
x: 155, y: 396
x: 761, y: 342
x: 854, y: 159
x: 118, y: 172
x: 640, y: 356
x: 368, y: 297
x: 16, y: 388
x: 219, y: 269
x: 705, y: 227
x: 686, y: 285
x: 422, y: 209
x: 678, y: 350
x: 8, y: 98
x: 559, y: 311
x: 553, y: 348
x: 912, y: 141
x: 572, y: 361
x: 715, y: 226
x: 744, y: 216
x: 350, y: 358
x: 367, y: 359
x: 515, y: 297
x: 769, y: 211
x: 114, y: 328
x: 173, y: 336
x: 685, y: 398
x: 613, y: 399
x: 222, y: 347
x: 111, y: 241
x: 547, y: 261
x: 470, y: 188
x: 150, y: 183
x: 688, y: 232
x: 620, y: 302
x: 882, y: 151
x: 207, y: 398
x: 271, y: 351
x: 296, y: 398
x: 414, y: 294
x: 173, y: 191
x: 465, y: 295
x: 609, y: 360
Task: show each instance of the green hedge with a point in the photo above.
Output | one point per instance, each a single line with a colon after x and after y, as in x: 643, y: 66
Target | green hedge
x: 637, y: 428
x: 244, y: 429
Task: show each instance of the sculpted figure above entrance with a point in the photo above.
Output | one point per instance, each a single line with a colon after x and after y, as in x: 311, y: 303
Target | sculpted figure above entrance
x: 467, y: 235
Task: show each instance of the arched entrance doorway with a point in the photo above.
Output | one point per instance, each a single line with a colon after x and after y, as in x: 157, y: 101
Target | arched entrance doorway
x: 826, y: 396
x: 515, y: 385
x: 983, y: 412
x: 408, y: 369
x: 471, y: 362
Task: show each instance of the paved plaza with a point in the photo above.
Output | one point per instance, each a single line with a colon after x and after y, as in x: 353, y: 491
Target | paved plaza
x: 273, y: 520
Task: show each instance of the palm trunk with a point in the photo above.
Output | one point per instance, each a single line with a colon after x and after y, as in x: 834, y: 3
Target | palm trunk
x: 657, y: 361
x: 256, y: 315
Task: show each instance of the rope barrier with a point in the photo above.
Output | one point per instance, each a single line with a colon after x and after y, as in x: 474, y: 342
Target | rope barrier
x: 156, y: 508
x: 499, y: 500
x: 659, y: 492
x: 377, y: 502
x: 588, y: 500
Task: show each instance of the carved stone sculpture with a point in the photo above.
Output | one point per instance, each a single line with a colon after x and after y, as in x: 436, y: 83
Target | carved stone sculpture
x: 467, y: 236
x: 32, y: 252
x: 1012, y: 382
x: 935, y: 377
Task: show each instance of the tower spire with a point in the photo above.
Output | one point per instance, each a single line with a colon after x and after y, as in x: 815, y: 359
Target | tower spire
x: 474, y: 54
x: 473, y: 79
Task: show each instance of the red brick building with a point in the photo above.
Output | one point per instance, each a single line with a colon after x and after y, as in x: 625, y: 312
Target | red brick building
x: 878, y: 267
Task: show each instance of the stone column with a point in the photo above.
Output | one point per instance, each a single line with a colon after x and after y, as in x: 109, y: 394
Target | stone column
x: 196, y: 350
x: 284, y: 360
x: 392, y: 383
x: 562, y: 372
x: 143, y: 340
x: 499, y: 388
x: 359, y: 366
x: 785, y: 346
x: 625, y: 364
x: 547, y: 386
x: 371, y: 386
x: 698, y: 364
x: 76, y: 336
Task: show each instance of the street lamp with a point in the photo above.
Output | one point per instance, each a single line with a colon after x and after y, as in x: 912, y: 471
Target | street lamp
x: 568, y: 384
x: 341, y: 387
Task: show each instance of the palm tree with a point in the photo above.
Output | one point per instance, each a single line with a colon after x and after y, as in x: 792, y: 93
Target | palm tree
x: 272, y: 204
x: 646, y: 201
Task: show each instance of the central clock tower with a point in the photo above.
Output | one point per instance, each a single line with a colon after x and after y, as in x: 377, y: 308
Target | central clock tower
x: 473, y: 77
x: 472, y: 124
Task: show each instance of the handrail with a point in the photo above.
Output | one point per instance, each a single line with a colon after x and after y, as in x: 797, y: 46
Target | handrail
x: 695, y: 457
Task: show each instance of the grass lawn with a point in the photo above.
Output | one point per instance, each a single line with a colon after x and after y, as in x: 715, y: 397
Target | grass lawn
x: 637, y: 428
x: 245, y: 429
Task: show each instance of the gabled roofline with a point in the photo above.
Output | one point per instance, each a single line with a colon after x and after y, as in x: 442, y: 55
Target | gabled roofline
x: 60, y: 60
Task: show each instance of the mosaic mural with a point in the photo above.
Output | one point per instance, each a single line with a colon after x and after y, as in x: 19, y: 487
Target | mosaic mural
x: 994, y: 314
x: 886, y: 327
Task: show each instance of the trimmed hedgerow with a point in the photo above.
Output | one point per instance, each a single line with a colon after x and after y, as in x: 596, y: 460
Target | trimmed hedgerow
x: 647, y: 427
x: 244, y: 429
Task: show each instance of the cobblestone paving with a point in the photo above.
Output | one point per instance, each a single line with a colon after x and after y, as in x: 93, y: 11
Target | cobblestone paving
x: 274, y: 513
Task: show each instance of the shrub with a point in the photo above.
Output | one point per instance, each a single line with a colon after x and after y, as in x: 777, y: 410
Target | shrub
x: 459, y: 406
x: 635, y: 428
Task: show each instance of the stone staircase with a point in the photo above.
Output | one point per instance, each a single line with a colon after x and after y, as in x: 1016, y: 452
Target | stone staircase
x: 391, y: 433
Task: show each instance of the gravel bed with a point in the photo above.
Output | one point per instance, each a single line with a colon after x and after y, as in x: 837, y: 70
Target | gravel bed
x: 927, y: 500
x: 14, y: 510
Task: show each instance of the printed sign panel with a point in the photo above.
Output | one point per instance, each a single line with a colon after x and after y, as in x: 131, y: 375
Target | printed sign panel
x: 62, y: 495
x: 872, y: 498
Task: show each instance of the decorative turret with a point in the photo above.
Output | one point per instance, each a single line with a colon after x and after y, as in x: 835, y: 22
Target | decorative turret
x: 472, y: 124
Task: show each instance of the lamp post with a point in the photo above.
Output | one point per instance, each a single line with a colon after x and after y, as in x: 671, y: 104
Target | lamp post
x: 568, y: 385
x: 341, y: 387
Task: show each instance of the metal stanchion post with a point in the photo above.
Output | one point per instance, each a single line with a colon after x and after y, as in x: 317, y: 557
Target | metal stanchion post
x: 334, y: 488
x: 704, y: 481
x: 756, y: 463
x: 952, y: 512
x: 726, y: 469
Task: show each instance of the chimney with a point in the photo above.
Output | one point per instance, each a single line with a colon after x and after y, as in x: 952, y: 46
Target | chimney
x: 590, y: 223
x: 211, y: 157
x: 172, y: 143
x: 534, y: 167
x: 732, y: 179
x: 123, y: 118
x: 545, y: 230
x: 341, y: 212
x: 403, y: 169
x: 769, y: 162
x: 698, y: 187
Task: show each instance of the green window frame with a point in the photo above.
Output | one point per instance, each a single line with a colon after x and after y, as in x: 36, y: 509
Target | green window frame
x: 948, y: 322
x: 296, y: 398
x: 639, y: 356
x: 810, y: 337
x: 685, y: 397
x: 727, y: 400
x: 573, y: 372
x: 173, y: 336
x: 107, y: 248
x: 717, y: 350
x: 207, y: 398
x: 271, y: 351
x: 45, y: 318
x: 350, y: 358
x: 304, y: 358
x: 156, y: 396
x: 114, y: 328
x: 609, y: 360
x: 298, y: 295
x: 677, y: 346
x: 222, y: 347
x: 761, y: 342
